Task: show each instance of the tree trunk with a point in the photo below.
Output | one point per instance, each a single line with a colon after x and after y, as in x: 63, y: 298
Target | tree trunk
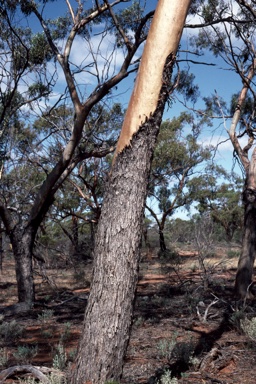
x: 146, y: 241
x: 22, y: 242
x: 1, y: 247
x: 75, y: 235
x: 109, y: 310
x: 117, y: 245
x: 246, y: 261
x: 162, y: 241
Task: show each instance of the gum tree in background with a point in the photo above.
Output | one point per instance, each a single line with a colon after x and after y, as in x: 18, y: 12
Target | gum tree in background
x: 221, y: 199
x: 117, y: 245
x: 176, y: 156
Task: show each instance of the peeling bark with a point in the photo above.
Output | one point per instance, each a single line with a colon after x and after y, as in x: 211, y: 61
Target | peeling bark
x: 117, y: 245
x: 165, y: 31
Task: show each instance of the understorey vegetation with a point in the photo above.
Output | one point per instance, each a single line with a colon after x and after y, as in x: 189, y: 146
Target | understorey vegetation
x: 127, y: 191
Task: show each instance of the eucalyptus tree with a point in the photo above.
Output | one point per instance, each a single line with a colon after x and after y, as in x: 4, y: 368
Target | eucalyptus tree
x: 219, y: 193
x: 108, y: 313
x: 78, y: 202
x: 92, y: 50
x: 177, y: 157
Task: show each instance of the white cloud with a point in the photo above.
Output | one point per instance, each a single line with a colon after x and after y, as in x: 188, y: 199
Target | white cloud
x: 95, y: 59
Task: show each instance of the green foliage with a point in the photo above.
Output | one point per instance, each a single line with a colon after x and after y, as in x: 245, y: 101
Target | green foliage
x: 186, y: 86
x: 47, y: 314
x: 176, y: 156
x: 25, y: 353
x: 130, y: 19
x: 249, y: 327
x: 60, y: 27
x: 112, y: 382
x: 211, y: 9
x: 231, y: 254
x: 221, y: 198
x: 66, y: 333
x: 10, y: 331
x: 38, y: 90
x: 3, y: 358
x: 165, y: 347
x: 60, y: 358
x: 166, y: 378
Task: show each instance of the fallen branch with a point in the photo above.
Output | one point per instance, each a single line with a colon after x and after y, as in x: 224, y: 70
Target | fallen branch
x: 204, y: 317
x: 37, y: 372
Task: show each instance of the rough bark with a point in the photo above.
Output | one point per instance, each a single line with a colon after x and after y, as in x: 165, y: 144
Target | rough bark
x: 1, y: 249
x: 162, y: 241
x: 75, y: 235
x: 244, y: 273
x: 22, y: 242
x: 109, y: 310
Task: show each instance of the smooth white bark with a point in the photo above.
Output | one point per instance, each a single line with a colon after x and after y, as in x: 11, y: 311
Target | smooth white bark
x: 163, y: 39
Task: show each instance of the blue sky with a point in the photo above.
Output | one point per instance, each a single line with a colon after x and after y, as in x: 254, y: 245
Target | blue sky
x: 210, y: 79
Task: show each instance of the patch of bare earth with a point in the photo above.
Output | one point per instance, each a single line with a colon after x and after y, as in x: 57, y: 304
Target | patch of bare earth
x: 179, y: 325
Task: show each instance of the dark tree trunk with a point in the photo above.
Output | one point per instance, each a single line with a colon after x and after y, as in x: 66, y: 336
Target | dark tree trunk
x: 92, y: 233
x: 1, y: 247
x: 75, y: 236
x: 162, y: 241
x: 22, y: 242
x: 247, y: 257
x: 117, y: 246
x: 147, y: 242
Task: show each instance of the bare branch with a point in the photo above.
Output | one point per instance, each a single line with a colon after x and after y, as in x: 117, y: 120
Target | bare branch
x: 37, y: 372
x: 229, y: 19
x: 95, y: 14
x: 118, y: 26
x: 71, y: 11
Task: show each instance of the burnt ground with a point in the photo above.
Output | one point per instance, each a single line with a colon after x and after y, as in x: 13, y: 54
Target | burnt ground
x: 180, y: 325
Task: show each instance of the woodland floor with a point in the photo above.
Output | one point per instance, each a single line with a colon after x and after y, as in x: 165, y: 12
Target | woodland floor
x: 178, y: 325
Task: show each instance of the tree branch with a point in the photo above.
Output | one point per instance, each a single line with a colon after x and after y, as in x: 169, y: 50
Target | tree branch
x: 229, y: 19
x: 243, y: 156
x: 100, y: 9
x: 6, y: 218
x: 118, y: 26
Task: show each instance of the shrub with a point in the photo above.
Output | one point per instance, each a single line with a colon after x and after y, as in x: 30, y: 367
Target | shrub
x: 25, y: 353
x: 249, y: 327
x: 166, y: 378
x: 10, y: 331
